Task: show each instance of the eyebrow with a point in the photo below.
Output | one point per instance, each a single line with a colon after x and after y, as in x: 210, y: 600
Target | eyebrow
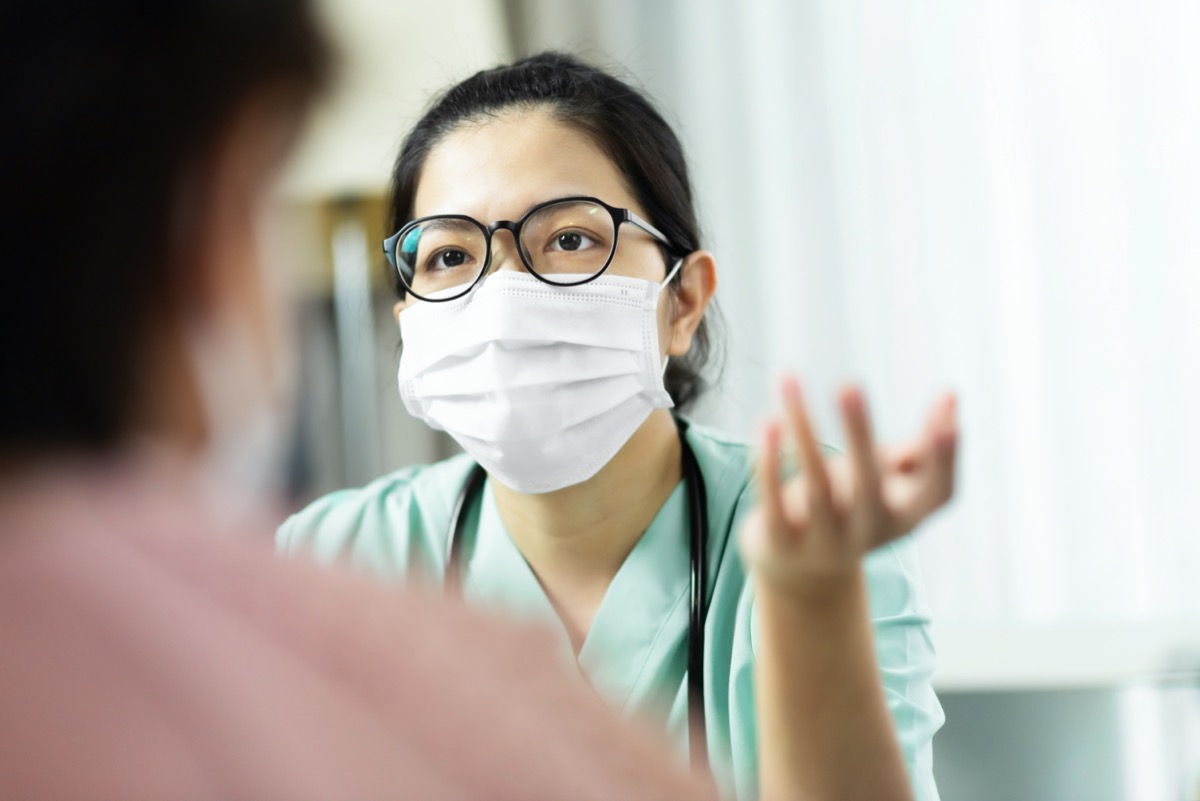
x: 544, y: 201
x: 437, y: 223
x: 529, y: 208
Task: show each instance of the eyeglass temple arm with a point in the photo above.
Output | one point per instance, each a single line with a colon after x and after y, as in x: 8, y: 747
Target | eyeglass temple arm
x: 648, y: 228
x: 389, y: 248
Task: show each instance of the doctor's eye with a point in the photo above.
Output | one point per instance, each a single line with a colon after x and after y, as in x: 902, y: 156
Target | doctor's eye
x: 571, y: 241
x: 447, y: 259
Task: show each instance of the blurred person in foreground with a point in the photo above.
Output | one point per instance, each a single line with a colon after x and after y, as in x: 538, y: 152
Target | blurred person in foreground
x: 152, y: 648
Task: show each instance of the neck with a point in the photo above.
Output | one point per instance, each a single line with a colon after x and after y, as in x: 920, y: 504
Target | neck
x: 576, y: 538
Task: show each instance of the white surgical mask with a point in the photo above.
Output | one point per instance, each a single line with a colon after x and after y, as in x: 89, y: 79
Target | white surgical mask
x: 541, y: 384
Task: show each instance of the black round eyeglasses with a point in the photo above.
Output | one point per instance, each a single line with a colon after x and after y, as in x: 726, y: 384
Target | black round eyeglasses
x: 564, y: 242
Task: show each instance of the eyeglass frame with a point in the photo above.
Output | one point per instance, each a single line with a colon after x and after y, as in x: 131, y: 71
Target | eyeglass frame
x: 619, y: 216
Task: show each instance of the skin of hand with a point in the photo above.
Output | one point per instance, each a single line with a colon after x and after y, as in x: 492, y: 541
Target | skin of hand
x: 824, y: 727
x: 812, y: 531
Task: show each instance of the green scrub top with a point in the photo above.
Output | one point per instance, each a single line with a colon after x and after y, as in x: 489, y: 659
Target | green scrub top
x: 635, y: 653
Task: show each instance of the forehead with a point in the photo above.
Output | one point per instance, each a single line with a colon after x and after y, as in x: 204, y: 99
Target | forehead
x: 497, y: 168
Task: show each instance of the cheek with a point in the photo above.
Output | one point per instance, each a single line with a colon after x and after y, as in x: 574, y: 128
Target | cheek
x: 258, y: 294
x: 254, y: 292
x: 278, y: 303
x: 666, y: 313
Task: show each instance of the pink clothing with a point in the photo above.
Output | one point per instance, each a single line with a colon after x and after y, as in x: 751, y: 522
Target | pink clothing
x: 148, y: 654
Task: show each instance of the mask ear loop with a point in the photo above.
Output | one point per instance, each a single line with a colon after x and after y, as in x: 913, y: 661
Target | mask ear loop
x: 661, y: 287
x: 670, y: 275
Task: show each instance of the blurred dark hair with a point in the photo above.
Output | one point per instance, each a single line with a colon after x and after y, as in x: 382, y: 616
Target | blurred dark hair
x: 110, y: 108
x: 618, y: 118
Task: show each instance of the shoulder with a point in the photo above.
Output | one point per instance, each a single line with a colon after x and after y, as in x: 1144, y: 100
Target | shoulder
x: 391, y: 525
x: 729, y: 462
x: 725, y: 461
x: 726, y: 465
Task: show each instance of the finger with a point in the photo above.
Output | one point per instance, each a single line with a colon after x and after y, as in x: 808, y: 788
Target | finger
x: 931, y: 484
x: 909, y: 505
x: 770, y: 495
x: 939, y: 435
x: 841, y: 478
x: 943, y: 423
x: 811, y: 462
x: 941, y: 442
x: 904, y: 458
x: 862, y: 446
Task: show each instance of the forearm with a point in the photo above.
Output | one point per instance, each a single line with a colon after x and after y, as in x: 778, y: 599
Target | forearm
x: 825, y: 733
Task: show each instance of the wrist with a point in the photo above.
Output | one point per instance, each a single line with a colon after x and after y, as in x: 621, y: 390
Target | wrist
x: 812, y: 593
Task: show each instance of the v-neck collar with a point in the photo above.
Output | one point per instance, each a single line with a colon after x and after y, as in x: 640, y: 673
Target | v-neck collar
x: 645, y: 605
x: 497, y: 573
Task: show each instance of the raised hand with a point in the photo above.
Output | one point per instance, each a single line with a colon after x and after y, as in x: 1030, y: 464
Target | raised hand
x: 813, y: 530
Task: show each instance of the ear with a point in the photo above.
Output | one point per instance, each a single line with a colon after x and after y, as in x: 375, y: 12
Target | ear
x: 690, y: 297
x: 401, y: 305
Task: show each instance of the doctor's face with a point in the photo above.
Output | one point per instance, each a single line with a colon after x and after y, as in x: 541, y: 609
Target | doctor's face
x: 498, y: 168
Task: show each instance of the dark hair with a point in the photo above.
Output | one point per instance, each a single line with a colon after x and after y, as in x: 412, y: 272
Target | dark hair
x: 112, y: 110
x: 617, y: 117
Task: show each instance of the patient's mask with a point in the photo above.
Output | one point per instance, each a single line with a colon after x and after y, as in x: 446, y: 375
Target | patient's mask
x: 541, y: 384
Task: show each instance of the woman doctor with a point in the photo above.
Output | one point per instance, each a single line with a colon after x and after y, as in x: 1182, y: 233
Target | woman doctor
x: 550, y: 268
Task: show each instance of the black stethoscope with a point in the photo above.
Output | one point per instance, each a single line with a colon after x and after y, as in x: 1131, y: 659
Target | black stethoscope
x: 698, y: 518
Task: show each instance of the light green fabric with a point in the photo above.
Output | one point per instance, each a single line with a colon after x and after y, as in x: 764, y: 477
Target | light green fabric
x: 636, y: 651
